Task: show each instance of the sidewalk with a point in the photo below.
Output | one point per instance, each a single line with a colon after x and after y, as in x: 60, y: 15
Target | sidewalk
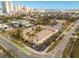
x: 58, y: 38
x: 44, y: 52
x: 32, y: 50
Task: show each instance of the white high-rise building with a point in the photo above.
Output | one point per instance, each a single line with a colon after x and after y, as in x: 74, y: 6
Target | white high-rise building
x: 7, y: 7
x: 18, y: 8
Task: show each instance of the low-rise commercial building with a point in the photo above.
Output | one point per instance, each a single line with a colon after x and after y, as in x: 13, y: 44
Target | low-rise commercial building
x: 38, y: 37
x: 5, y: 27
x: 20, y: 22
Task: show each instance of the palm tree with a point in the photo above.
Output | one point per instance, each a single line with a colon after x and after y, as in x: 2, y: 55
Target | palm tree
x: 18, y: 35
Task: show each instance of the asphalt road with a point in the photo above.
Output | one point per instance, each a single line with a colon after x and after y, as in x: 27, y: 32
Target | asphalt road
x: 55, y: 53
x: 58, y: 50
x: 2, y: 54
x: 12, y: 48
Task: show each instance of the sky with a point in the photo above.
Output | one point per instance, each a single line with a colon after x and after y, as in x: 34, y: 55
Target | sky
x: 48, y: 4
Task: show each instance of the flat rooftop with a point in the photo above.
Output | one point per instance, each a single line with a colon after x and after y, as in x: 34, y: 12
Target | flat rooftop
x: 40, y: 36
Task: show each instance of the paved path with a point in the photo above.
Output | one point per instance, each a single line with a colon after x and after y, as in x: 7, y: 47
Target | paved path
x: 68, y: 56
x: 55, y: 53
x: 58, y: 50
x: 59, y: 36
x: 12, y: 48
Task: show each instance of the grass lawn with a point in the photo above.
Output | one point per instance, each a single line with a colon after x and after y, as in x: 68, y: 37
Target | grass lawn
x: 67, y: 48
x: 15, y: 41
x: 52, y: 46
x: 17, y: 44
x: 21, y: 47
x: 75, y: 51
x: 66, y: 51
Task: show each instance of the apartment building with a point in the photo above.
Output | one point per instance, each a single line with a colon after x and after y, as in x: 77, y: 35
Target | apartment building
x: 7, y: 7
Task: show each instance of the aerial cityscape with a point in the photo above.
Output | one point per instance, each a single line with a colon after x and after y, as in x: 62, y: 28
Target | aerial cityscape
x: 39, y: 29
